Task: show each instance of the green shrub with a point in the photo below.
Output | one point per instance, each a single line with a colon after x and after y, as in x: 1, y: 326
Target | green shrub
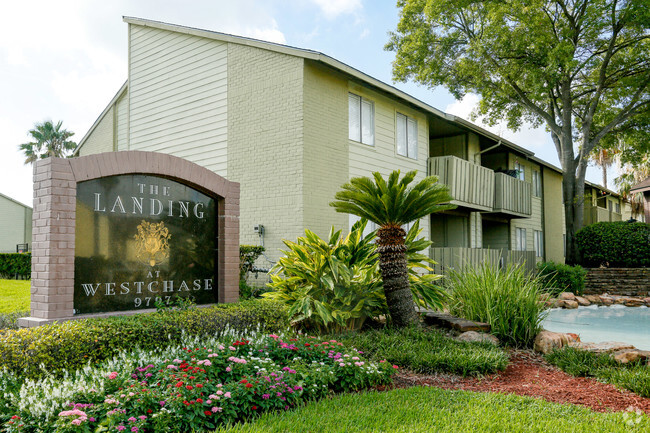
x: 247, y: 256
x: 564, y: 278
x: 506, y: 299
x: 335, y: 284
x: 70, y: 345
x: 15, y: 264
x: 427, y: 350
x: 615, y: 244
x: 10, y: 320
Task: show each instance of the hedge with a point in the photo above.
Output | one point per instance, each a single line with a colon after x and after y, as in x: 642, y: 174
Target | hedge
x: 12, y: 264
x: 614, y: 244
x: 70, y: 345
x: 558, y: 277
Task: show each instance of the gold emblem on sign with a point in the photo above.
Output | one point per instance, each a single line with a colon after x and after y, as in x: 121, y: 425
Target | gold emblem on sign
x: 152, y: 243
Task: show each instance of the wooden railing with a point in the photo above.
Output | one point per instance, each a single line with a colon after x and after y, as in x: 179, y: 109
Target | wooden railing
x: 457, y: 258
x: 595, y: 214
x: 512, y: 196
x: 471, y: 185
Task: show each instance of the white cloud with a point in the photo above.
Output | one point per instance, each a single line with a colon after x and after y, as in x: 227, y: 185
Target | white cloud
x: 334, y: 8
x: 266, y: 32
x: 364, y: 33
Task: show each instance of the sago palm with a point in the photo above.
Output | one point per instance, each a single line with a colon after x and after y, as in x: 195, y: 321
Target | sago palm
x: 49, y: 140
x: 391, y: 204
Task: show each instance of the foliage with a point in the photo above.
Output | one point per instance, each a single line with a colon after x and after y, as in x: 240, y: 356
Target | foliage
x: 615, y: 244
x: 430, y: 409
x: 334, y: 284
x: 70, y: 345
x: 10, y: 320
x: 199, y: 385
x: 15, y: 264
x: 247, y: 256
x: 390, y: 204
x: 633, y: 376
x: 428, y: 351
x: 506, y: 299
x: 563, y: 278
x: 49, y: 140
x: 15, y: 295
x: 581, y: 68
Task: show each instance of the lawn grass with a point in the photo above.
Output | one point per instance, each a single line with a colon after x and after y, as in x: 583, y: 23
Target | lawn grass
x: 427, y: 350
x: 634, y: 376
x: 14, y: 295
x: 423, y: 409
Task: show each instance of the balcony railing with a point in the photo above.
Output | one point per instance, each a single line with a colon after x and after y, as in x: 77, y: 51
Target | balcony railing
x: 595, y: 214
x: 512, y: 196
x: 459, y: 258
x: 471, y: 185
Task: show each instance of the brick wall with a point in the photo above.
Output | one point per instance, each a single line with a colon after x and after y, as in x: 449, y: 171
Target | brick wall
x: 618, y: 281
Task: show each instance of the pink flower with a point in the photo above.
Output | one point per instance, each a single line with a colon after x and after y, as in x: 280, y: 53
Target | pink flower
x: 216, y: 409
x: 76, y: 421
x: 228, y: 369
x: 134, y: 429
x: 172, y: 367
x: 112, y: 375
x: 142, y: 417
x: 395, y: 367
x: 342, y: 364
x: 132, y: 419
x: 273, y: 336
x: 227, y: 395
x: 120, y: 428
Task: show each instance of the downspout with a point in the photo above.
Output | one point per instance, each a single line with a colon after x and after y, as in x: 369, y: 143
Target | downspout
x: 486, y: 150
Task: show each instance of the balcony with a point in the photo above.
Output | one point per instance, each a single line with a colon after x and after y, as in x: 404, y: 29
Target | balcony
x: 596, y: 214
x: 471, y: 185
x: 458, y: 258
x: 512, y: 196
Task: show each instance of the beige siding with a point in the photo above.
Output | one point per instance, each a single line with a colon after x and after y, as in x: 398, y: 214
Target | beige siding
x: 265, y: 143
x: 325, y: 162
x: 101, y: 138
x: 15, y: 225
x: 177, y: 96
x: 535, y: 221
x: 383, y: 157
x: 121, y: 122
x: 553, y: 215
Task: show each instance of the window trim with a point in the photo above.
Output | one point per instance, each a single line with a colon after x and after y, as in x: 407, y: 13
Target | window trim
x: 406, y: 130
x: 361, y: 100
x: 520, y: 239
x: 521, y: 170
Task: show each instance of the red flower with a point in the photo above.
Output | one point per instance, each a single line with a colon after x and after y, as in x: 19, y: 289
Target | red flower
x: 149, y: 411
x: 249, y: 385
x: 243, y: 381
x: 179, y: 384
x: 254, y: 407
x: 307, y: 344
x: 207, y: 413
x: 189, y: 387
x: 186, y: 403
x: 199, y: 385
x: 199, y: 400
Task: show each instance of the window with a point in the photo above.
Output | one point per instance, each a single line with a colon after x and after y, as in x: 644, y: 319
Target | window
x: 537, y: 184
x: 407, y: 136
x: 521, y: 173
x: 520, y: 239
x: 539, y: 243
x: 618, y: 208
x: 362, y: 119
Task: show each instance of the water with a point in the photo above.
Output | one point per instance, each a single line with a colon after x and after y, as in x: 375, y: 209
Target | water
x: 598, y: 324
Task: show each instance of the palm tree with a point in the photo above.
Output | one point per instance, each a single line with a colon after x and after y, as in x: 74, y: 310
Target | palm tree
x: 390, y: 205
x: 49, y: 140
x: 603, y: 158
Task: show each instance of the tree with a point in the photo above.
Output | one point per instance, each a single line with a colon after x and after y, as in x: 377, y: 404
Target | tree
x: 603, y: 158
x: 49, y: 140
x: 391, y: 204
x: 581, y: 67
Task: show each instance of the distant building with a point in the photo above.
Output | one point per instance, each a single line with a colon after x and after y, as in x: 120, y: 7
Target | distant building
x: 15, y: 226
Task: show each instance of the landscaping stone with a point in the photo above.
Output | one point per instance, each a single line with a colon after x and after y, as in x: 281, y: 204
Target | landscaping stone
x: 583, y: 302
x: 480, y: 337
x: 567, y: 296
x: 547, y: 341
x: 594, y: 299
x: 626, y: 356
x: 647, y: 301
x: 634, y: 302
x: 606, y: 300
x: 446, y: 320
x: 568, y: 304
x: 604, y: 347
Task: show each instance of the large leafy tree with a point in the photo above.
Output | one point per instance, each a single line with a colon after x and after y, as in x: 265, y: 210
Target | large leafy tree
x: 580, y: 67
x: 390, y: 204
x: 49, y: 139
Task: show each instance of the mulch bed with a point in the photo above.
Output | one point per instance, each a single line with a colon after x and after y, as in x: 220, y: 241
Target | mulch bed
x: 528, y: 374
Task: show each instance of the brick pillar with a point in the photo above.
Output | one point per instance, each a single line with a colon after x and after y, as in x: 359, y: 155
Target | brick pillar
x: 53, y: 234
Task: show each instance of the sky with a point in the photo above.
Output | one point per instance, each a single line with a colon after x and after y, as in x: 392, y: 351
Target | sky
x: 65, y: 60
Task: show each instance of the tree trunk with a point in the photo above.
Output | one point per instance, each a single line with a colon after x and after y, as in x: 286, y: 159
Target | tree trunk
x: 394, y: 274
x: 573, y: 196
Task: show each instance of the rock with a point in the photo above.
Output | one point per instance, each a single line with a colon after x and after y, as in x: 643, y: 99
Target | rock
x: 647, y: 301
x: 567, y: 296
x: 594, y: 299
x: 606, y: 300
x: 604, y: 347
x: 547, y: 341
x: 620, y: 300
x: 634, y: 302
x: 448, y: 321
x: 569, y: 305
x: 480, y: 337
x: 582, y: 301
x: 626, y: 356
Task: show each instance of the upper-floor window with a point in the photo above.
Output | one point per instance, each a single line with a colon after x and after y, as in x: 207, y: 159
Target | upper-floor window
x: 521, y: 172
x: 537, y: 184
x: 520, y: 239
x: 617, y: 207
x: 362, y: 119
x: 407, y: 136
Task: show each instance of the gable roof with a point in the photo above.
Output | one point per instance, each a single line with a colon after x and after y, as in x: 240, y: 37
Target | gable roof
x: 641, y: 187
x: 14, y: 201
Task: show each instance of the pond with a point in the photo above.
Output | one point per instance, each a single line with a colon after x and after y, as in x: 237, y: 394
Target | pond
x: 598, y: 324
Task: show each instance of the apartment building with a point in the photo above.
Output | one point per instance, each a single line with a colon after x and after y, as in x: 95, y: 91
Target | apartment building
x: 15, y: 225
x: 292, y: 125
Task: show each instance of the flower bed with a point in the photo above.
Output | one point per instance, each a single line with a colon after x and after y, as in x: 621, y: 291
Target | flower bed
x: 199, y: 386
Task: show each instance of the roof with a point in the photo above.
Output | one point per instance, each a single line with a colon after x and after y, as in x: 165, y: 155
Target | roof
x: 602, y: 188
x: 15, y: 201
x: 641, y: 187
